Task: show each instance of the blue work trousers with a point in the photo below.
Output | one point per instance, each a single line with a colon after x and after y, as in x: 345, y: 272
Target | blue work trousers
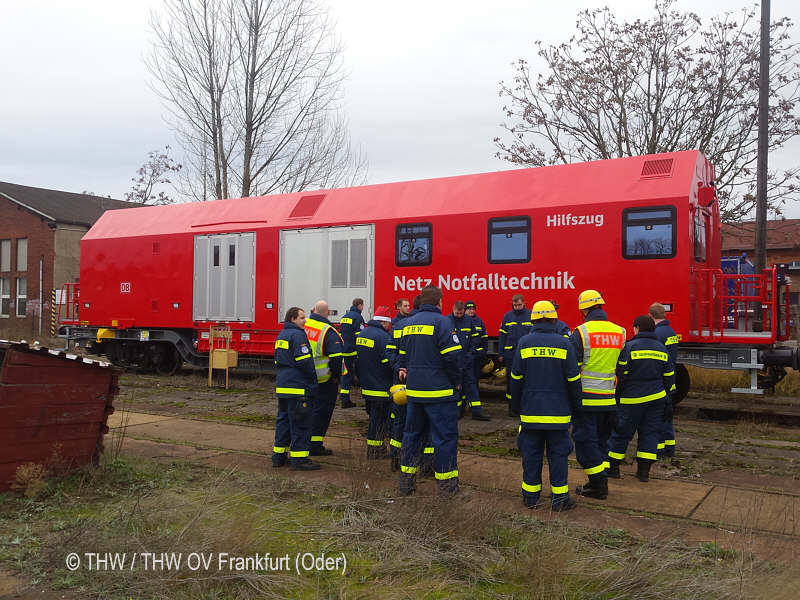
x: 469, y: 390
x: 378, y: 422
x: 441, y: 419
x: 646, y: 419
x: 292, y: 430
x: 346, y: 382
x: 591, y: 430
x: 533, y: 443
x: 398, y: 424
x: 324, y: 403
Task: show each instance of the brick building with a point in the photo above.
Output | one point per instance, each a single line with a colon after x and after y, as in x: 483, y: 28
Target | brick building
x: 40, y: 233
x: 783, y: 246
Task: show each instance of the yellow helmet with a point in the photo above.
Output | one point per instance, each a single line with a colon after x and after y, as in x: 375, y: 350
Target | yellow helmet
x: 398, y: 394
x: 488, y: 367
x: 500, y: 373
x: 589, y: 298
x: 543, y: 309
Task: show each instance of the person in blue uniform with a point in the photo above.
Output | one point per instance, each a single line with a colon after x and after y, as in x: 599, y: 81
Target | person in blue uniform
x: 430, y: 366
x: 667, y: 336
x: 295, y: 384
x: 327, y: 348
x: 397, y: 415
x: 349, y: 326
x: 597, y: 342
x: 469, y: 338
x: 545, y: 391
x: 644, y: 377
x: 515, y: 324
x: 375, y: 374
x: 482, y: 341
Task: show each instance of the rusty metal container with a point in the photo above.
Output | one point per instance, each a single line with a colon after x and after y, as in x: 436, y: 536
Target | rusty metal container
x: 54, y: 407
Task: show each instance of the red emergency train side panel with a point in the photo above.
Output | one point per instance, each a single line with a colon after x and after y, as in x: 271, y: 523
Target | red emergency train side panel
x: 137, y: 264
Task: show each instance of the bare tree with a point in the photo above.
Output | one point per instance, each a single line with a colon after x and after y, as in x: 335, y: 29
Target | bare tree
x: 665, y: 84
x: 154, y: 173
x: 254, y: 88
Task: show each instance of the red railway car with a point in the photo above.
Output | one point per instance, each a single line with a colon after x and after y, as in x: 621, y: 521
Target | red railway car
x: 640, y: 229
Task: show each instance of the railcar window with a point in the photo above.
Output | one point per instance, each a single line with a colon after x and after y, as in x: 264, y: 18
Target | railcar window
x: 700, y: 224
x: 216, y: 256
x: 648, y: 232
x: 510, y: 240
x: 413, y: 244
x: 339, y: 263
x: 231, y: 255
x: 358, y: 263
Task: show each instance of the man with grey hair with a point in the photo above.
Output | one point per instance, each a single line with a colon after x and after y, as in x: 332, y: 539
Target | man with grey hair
x: 327, y: 348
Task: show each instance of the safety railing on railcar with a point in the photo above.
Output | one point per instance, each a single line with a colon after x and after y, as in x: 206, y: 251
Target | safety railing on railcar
x: 737, y: 308
x: 68, y: 303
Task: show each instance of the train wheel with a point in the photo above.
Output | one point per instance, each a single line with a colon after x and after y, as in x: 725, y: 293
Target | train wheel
x: 166, y: 359
x: 682, y: 383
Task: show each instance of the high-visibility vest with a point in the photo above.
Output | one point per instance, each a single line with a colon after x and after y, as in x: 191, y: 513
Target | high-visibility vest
x: 316, y: 331
x: 602, y: 343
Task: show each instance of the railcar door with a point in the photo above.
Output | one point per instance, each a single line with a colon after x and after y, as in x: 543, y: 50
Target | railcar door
x: 330, y: 263
x: 224, y: 277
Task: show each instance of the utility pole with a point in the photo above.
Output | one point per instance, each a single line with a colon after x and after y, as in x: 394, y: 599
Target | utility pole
x: 763, y: 123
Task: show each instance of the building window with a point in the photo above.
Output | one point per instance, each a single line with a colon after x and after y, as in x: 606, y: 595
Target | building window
x: 22, y: 295
x: 22, y: 254
x: 648, y: 232
x: 5, y: 255
x: 5, y: 297
x: 510, y: 240
x: 414, y: 244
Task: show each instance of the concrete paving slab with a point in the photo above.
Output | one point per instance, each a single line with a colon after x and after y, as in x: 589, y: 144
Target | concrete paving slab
x: 132, y: 419
x: 745, y: 509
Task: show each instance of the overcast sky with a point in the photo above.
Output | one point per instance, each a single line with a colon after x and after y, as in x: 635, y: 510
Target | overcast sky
x: 421, y: 96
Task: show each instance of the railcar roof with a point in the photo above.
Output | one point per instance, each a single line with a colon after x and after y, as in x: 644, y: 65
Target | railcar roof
x: 560, y: 186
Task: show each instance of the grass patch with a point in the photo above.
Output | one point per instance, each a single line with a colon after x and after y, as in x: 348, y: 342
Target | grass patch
x: 395, y: 547
x: 722, y: 380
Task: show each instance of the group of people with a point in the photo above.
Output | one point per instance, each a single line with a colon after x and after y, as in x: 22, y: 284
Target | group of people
x: 590, y: 380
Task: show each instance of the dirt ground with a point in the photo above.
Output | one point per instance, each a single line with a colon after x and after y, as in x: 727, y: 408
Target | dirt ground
x: 744, y: 452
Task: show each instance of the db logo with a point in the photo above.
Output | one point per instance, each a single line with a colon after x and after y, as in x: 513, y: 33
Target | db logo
x: 125, y: 287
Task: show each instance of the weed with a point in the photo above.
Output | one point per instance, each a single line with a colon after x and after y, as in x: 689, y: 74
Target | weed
x: 712, y: 550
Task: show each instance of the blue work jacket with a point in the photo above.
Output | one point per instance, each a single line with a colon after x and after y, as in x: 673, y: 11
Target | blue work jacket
x: 467, y: 336
x: 395, y: 334
x: 349, y: 326
x: 545, y: 379
x: 515, y: 324
x: 430, y: 351
x: 644, y: 372
x: 374, y: 370
x: 483, y: 336
x: 667, y: 336
x: 296, y: 375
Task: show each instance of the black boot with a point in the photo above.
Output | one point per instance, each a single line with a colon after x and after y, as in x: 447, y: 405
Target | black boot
x: 480, y: 417
x: 596, y: 488
x: 669, y: 452
x: 320, y: 450
x: 613, y: 469
x: 305, y: 465
x: 566, y: 504
x: 407, y: 484
x: 643, y: 470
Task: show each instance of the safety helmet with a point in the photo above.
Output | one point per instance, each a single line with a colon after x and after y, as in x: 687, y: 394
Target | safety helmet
x: 543, y: 309
x: 500, y: 373
x: 589, y: 298
x: 488, y: 367
x: 398, y: 394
